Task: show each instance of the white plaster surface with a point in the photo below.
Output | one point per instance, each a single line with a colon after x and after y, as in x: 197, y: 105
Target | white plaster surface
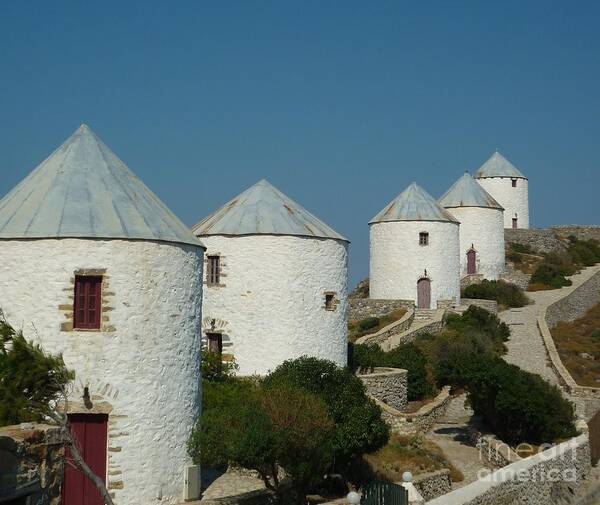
x: 397, y: 261
x: 514, y: 200
x: 272, y: 305
x: 147, y: 369
x: 483, y: 229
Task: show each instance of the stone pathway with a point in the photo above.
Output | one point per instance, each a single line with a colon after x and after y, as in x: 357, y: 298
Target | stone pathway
x: 451, y: 435
x: 526, y: 347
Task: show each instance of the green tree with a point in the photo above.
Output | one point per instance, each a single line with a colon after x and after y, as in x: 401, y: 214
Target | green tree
x: 30, y: 379
x: 359, y: 428
x: 283, y: 428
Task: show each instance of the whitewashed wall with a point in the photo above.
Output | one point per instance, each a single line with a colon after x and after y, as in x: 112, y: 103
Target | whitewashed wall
x: 482, y: 228
x: 514, y: 200
x: 146, y: 370
x: 271, y: 307
x: 397, y: 261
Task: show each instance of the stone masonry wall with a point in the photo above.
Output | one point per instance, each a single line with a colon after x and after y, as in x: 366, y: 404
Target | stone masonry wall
x: 361, y: 308
x: 31, y: 461
x: 542, y: 240
x: 542, y: 479
x: 581, y: 232
x: 388, y: 385
x: 433, y: 484
x: 576, y: 304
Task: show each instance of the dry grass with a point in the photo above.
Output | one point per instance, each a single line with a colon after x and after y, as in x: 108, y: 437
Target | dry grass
x: 415, y: 454
x: 539, y: 287
x: 526, y: 263
x: 355, y: 331
x: 573, y: 339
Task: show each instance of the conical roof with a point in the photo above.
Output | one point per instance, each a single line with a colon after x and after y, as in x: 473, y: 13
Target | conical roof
x: 498, y: 166
x: 83, y: 190
x: 467, y: 192
x: 413, y: 204
x: 263, y: 209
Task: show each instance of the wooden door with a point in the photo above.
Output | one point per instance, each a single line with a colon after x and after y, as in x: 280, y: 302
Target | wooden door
x: 424, y: 294
x: 471, y: 262
x: 514, y: 223
x: 90, y: 431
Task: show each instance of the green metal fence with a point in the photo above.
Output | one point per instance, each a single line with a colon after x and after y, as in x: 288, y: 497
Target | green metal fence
x: 384, y: 493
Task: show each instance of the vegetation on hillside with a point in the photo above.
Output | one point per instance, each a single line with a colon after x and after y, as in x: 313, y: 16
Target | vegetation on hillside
x: 308, y: 418
x: 553, y: 270
x: 505, y: 293
x: 368, y: 325
x: 578, y: 343
x: 30, y: 379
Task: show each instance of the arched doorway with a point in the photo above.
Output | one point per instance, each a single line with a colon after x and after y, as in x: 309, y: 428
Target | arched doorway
x: 471, y: 262
x: 424, y: 293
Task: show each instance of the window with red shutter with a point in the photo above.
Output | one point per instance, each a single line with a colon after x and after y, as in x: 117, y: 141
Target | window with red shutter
x: 88, y: 304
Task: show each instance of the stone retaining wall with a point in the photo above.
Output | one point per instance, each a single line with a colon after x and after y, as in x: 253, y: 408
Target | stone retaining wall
x: 412, y: 333
x: 421, y: 421
x: 390, y: 330
x: 489, y: 305
x: 433, y: 484
x: 581, y: 232
x: 388, y: 385
x: 493, y: 452
x: 31, y: 463
x: 543, y: 479
x: 576, y: 304
x: 516, y: 277
x: 361, y: 308
x: 541, y: 240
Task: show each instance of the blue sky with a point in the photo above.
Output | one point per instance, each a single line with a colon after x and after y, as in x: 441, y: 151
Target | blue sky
x: 340, y: 104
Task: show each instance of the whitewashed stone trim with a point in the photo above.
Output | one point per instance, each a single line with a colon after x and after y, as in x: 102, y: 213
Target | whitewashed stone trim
x: 529, y: 481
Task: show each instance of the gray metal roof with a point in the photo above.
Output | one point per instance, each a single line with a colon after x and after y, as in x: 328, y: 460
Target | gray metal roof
x: 498, y: 166
x: 413, y: 204
x: 83, y: 190
x: 263, y: 209
x: 467, y: 192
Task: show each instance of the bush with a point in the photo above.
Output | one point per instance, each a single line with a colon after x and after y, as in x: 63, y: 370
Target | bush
x: 359, y: 428
x: 519, y: 406
x: 409, y: 357
x: 520, y: 248
x: 549, y: 275
x: 585, y: 252
x: 282, y: 427
x: 368, y: 323
x: 504, y: 293
x: 596, y: 335
x: 30, y: 379
x: 215, y: 370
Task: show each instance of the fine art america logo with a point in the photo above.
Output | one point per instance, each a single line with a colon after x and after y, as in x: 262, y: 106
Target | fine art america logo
x: 551, y: 463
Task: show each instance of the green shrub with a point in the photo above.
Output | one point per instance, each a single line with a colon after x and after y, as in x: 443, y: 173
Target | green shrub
x: 368, y: 323
x: 409, y: 357
x: 585, y: 252
x: 515, y: 257
x: 550, y: 275
x: 215, y: 370
x: 30, y: 379
x: 596, y: 334
x: 515, y: 247
x: 359, y: 428
x: 504, y: 293
x: 481, y: 320
x: 262, y: 430
x: 519, y: 406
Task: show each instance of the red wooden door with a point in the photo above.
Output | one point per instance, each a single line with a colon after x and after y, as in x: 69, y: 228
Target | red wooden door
x: 424, y: 294
x: 471, y: 262
x: 90, y: 430
x: 514, y: 223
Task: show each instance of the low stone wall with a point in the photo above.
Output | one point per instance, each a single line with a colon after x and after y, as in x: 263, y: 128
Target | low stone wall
x: 390, y: 330
x: 581, y: 232
x: 421, y: 421
x: 433, y: 484
x: 576, y: 304
x: 542, y: 479
x: 541, y: 240
x: 31, y: 463
x: 493, y: 452
x: 516, y: 277
x: 361, y: 308
x: 489, y: 305
x: 388, y: 385
x: 414, y: 331
x: 467, y: 280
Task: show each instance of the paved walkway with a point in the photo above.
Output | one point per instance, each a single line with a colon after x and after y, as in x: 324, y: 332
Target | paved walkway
x: 219, y: 486
x: 526, y: 347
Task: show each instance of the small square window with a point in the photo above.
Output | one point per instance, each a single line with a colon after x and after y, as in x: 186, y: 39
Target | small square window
x: 423, y: 238
x: 514, y: 183
x: 330, y: 301
x: 215, y: 343
x: 213, y: 272
x: 87, y: 306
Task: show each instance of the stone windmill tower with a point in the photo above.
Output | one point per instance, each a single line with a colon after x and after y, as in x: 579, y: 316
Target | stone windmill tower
x: 276, y: 282
x: 509, y: 187
x: 414, y: 251
x: 94, y: 266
